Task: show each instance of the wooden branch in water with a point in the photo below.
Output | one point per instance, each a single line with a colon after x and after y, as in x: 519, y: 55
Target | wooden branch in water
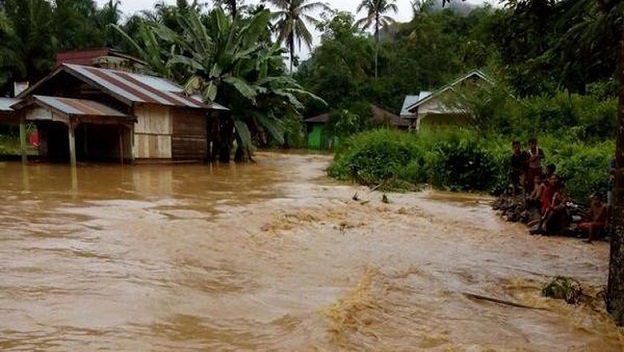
x: 377, y: 187
x: 500, y: 301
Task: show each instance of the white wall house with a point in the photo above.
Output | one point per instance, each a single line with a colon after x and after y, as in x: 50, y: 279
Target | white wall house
x: 431, y: 108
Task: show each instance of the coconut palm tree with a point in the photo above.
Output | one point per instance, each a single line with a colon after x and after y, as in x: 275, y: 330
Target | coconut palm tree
x: 292, y: 17
x: 376, y: 11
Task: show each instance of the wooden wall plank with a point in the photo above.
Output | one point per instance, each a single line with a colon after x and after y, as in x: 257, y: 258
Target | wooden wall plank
x: 189, y: 139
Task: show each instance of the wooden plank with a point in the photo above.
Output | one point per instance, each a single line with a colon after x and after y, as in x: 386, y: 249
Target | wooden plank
x: 153, y: 119
x: 185, y: 148
x: 152, y: 146
x: 189, y: 140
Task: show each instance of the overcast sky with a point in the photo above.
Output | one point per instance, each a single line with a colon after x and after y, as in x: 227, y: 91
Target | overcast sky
x: 404, y: 14
x: 405, y: 9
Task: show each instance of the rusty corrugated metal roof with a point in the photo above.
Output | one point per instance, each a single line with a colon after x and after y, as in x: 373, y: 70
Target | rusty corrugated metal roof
x: 138, y: 88
x: 5, y: 104
x: 77, y: 106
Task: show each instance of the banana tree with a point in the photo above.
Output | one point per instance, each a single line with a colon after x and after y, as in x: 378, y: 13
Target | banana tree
x: 230, y: 61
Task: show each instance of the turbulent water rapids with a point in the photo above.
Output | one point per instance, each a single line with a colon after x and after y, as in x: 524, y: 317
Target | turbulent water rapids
x: 274, y: 256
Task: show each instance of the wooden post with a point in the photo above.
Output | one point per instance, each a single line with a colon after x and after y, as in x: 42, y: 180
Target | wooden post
x: 85, y: 142
x: 72, y: 144
x: 22, y: 130
x: 121, y: 145
x: 131, y: 137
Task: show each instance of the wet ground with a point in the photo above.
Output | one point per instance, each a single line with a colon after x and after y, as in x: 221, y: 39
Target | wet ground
x: 274, y: 256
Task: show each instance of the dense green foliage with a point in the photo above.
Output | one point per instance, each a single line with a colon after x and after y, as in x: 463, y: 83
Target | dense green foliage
x: 520, y: 46
x: 462, y: 160
x: 33, y: 31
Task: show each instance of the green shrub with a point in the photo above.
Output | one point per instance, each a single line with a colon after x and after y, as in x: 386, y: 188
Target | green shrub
x: 460, y: 164
x: 584, y: 168
x: 373, y: 157
x: 463, y: 160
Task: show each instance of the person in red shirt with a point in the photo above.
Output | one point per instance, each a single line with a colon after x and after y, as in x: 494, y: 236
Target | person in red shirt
x: 33, y: 139
x: 554, y: 209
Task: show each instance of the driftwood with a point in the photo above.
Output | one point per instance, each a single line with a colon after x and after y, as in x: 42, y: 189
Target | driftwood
x: 500, y: 301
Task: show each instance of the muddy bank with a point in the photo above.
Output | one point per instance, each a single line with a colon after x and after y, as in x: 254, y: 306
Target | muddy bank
x: 274, y: 256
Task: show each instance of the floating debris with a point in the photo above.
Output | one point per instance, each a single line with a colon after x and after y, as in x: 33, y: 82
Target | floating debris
x: 565, y: 288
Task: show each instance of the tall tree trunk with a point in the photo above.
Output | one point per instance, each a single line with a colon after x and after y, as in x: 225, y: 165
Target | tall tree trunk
x: 226, y: 138
x: 291, y: 44
x: 615, y: 288
x: 377, y: 45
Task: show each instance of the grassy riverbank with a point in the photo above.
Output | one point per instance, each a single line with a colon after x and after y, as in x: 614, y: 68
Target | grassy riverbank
x: 463, y: 160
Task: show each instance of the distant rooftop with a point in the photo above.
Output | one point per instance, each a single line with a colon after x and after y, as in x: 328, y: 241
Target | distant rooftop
x: 5, y: 104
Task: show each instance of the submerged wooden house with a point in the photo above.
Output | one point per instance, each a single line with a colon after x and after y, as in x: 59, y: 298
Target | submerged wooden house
x: 90, y: 113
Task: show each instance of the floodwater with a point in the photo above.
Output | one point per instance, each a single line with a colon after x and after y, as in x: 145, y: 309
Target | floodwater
x: 273, y: 256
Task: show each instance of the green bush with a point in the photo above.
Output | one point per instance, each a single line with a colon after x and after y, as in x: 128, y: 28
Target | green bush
x: 460, y: 164
x: 463, y: 160
x: 374, y: 157
x: 584, y: 168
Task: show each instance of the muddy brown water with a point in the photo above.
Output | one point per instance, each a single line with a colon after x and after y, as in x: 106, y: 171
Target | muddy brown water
x: 274, y: 256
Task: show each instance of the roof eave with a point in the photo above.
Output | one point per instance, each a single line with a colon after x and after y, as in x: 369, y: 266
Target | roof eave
x: 42, y: 81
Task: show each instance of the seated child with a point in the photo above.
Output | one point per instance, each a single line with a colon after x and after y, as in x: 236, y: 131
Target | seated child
x: 555, y: 218
x: 598, y: 218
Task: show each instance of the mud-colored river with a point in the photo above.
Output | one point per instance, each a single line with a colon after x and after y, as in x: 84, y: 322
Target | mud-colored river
x: 274, y: 256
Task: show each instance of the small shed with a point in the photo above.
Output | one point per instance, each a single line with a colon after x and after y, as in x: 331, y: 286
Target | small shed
x: 431, y: 108
x: 319, y: 137
x: 318, y: 134
x: 138, y: 117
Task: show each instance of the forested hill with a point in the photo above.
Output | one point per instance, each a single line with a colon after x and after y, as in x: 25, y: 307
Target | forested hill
x: 528, y: 49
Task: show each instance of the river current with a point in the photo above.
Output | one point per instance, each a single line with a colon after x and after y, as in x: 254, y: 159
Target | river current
x: 274, y: 256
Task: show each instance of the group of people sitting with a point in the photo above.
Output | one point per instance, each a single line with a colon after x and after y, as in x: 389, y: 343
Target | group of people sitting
x: 544, y: 195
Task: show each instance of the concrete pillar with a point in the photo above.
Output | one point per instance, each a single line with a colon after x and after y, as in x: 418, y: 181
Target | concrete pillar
x: 23, y: 146
x: 72, y: 144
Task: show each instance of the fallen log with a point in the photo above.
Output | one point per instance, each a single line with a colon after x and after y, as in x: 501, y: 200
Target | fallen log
x: 500, y: 301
